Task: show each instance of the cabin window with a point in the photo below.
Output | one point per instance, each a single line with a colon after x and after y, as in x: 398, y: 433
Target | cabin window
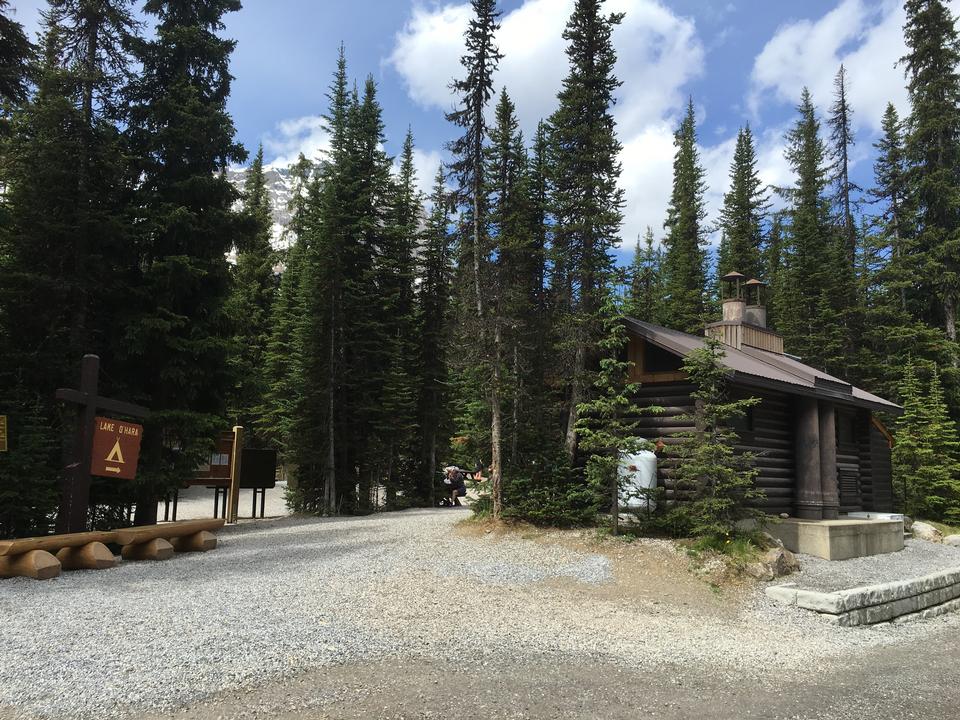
x: 846, y: 429
x: 657, y: 359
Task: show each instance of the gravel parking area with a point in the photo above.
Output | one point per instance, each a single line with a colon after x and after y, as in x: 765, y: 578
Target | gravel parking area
x: 918, y: 558
x: 286, y: 597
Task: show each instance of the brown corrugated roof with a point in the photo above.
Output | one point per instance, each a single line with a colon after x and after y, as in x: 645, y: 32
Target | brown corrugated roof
x: 751, y: 366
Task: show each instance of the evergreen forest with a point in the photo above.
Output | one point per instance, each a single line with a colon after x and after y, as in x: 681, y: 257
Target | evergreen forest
x: 392, y: 333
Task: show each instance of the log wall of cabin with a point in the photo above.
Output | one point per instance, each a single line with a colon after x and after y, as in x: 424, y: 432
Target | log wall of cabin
x: 770, y: 438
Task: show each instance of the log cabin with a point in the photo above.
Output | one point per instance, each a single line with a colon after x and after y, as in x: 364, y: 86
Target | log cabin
x: 821, y: 449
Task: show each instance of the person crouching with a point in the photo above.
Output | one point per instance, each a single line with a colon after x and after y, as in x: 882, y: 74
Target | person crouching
x: 454, y: 479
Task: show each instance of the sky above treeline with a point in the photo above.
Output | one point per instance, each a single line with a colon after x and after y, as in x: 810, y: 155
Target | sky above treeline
x: 743, y: 61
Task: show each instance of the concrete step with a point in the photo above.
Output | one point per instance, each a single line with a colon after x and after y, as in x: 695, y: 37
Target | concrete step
x: 914, y: 598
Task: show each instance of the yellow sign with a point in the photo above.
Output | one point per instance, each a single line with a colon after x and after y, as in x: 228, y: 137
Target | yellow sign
x: 116, y: 455
x: 3, y: 433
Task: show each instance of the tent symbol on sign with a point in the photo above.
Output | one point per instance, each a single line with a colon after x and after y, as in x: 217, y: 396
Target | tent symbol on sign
x: 115, y: 456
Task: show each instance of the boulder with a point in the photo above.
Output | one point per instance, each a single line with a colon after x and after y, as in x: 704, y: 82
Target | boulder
x: 907, y: 523
x: 774, y: 563
x: 924, y: 531
x: 952, y: 540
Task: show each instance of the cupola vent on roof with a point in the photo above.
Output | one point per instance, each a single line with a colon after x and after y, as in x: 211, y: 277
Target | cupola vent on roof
x: 744, y: 316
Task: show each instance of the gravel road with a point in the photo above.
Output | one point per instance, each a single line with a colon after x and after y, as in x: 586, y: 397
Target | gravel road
x: 284, y: 601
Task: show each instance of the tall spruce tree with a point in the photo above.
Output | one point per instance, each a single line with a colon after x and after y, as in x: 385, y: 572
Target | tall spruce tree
x: 742, y: 215
x: 646, y: 279
x: 808, y: 292
x: 16, y: 54
x: 474, y: 90
x: 434, y: 334
x: 283, y: 358
x: 65, y: 250
x: 933, y: 151
x: 842, y: 140
x: 684, y: 263
x: 183, y: 139
x: 254, y: 288
x: 926, y: 468
x: 587, y: 205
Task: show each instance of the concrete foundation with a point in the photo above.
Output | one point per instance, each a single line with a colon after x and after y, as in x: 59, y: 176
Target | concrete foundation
x: 839, y: 539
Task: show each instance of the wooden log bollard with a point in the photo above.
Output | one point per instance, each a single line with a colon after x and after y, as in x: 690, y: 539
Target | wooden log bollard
x: 198, y: 542
x: 156, y: 549
x: 92, y: 556
x: 36, y: 564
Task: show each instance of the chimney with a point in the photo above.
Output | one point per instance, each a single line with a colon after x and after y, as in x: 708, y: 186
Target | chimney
x: 756, y: 311
x: 744, y: 320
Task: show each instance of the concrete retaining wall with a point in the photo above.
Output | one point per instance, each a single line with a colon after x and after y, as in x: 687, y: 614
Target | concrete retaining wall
x: 938, y: 591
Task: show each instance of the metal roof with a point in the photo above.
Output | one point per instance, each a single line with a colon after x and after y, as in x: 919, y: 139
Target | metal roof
x: 761, y: 368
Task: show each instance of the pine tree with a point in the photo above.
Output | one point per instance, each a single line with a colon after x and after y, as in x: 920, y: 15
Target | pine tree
x: 587, y: 201
x: 396, y: 282
x: 810, y: 283
x: 65, y: 250
x: 183, y: 139
x: 251, y: 301
x: 479, y: 376
x: 842, y: 139
x: 434, y: 334
x: 283, y: 360
x: 742, y: 215
x: 926, y: 469
x: 16, y: 54
x: 933, y: 151
x: 684, y: 263
x: 716, y: 483
x: 646, y: 280
x: 608, y: 423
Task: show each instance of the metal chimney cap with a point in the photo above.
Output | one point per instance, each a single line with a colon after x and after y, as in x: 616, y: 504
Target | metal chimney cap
x: 731, y: 276
x: 753, y: 282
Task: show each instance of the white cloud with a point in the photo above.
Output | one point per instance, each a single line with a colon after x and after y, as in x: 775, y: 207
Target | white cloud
x: 657, y: 51
x: 865, y: 36
x: 291, y: 137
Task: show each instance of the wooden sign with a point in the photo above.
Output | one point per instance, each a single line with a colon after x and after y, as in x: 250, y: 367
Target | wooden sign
x: 116, y: 448
x: 3, y: 433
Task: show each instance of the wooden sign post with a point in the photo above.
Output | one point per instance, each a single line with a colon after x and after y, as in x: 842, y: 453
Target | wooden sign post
x: 236, y: 455
x: 79, y: 459
x: 3, y: 433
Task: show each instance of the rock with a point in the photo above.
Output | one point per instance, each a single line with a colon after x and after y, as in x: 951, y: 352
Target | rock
x: 923, y: 531
x: 774, y: 563
x: 952, y: 540
x: 784, y: 516
x: 772, y: 541
x: 907, y: 523
x: 781, y: 561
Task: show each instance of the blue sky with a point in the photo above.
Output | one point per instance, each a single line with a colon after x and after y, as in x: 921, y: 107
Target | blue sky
x: 742, y: 61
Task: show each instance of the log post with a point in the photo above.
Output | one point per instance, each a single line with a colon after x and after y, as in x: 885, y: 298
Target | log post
x: 828, y: 461
x: 809, y: 503
x: 36, y: 564
x: 198, y: 542
x: 92, y: 556
x: 156, y: 549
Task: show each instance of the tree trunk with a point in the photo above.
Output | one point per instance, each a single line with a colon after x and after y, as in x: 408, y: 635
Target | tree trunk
x: 496, y: 430
x: 515, y: 410
x: 576, y: 397
x: 329, y: 476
